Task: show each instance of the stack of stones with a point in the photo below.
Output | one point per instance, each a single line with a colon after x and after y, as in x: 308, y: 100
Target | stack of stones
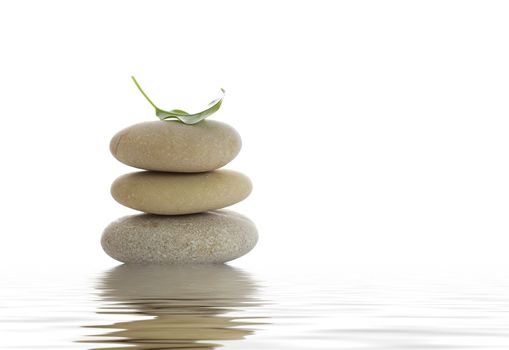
x: 180, y: 189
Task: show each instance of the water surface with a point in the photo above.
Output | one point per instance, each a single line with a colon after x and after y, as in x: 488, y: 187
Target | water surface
x: 207, y: 307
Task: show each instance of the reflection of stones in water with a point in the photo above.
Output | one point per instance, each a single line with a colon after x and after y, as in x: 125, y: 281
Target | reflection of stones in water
x: 188, y: 304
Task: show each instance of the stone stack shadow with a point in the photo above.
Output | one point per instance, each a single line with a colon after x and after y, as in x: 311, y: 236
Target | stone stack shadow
x: 181, y: 307
x: 180, y: 190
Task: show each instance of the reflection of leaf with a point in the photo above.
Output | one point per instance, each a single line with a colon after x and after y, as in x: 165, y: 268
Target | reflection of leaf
x: 181, y: 115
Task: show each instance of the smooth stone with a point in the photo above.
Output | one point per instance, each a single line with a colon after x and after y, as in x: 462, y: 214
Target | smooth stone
x: 212, y: 237
x: 176, y: 194
x: 176, y: 147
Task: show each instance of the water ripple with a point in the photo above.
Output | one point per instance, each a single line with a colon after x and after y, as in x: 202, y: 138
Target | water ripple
x: 186, y: 306
x: 207, y: 307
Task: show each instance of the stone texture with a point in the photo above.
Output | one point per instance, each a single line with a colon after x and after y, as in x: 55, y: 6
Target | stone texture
x: 176, y: 147
x: 176, y: 194
x: 212, y: 237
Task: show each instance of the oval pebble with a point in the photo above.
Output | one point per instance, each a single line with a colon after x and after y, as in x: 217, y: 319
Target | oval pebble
x: 176, y: 147
x: 176, y: 194
x: 212, y: 237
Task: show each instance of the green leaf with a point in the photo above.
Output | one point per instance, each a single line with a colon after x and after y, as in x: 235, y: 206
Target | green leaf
x: 181, y: 115
x: 179, y: 111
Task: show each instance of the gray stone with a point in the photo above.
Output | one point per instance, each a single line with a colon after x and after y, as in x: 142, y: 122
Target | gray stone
x: 176, y: 147
x: 211, y: 237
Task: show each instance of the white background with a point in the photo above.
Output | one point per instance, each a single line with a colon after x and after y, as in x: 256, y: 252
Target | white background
x: 374, y: 131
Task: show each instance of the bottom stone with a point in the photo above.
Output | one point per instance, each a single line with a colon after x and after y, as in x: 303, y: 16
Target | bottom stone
x: 212, y: 237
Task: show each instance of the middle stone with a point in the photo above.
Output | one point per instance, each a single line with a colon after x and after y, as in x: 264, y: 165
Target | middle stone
x: 176, y: 194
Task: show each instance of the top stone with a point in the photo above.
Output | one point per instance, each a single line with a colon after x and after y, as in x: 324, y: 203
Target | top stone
x: 176, y: 147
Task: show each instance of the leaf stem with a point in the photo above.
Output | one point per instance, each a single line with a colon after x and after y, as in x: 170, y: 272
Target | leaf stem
x: 144, y: 94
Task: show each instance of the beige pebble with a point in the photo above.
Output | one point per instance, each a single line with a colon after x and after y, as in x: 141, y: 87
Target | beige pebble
x: 176, y: 147
x: 212, y: 237
x: 175, y: 194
